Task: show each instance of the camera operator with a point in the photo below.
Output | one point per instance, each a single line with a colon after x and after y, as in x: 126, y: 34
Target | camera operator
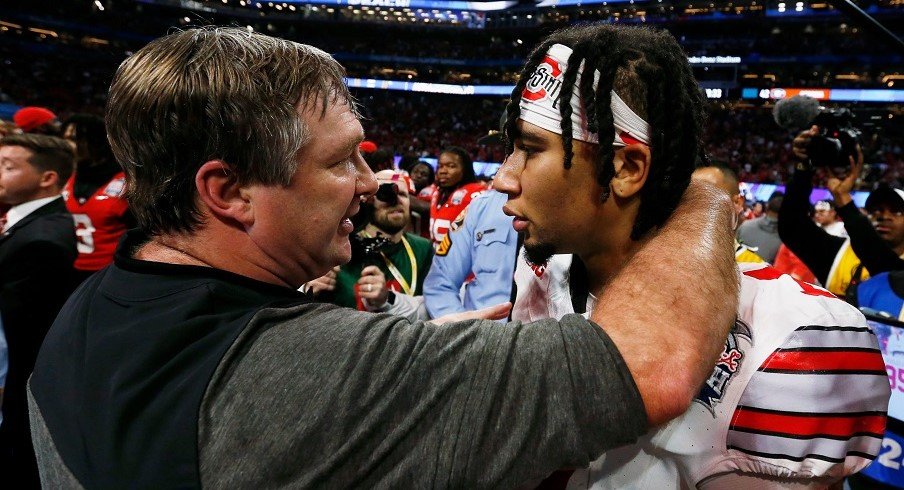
x: 388, y: 266
x: 839, y: 262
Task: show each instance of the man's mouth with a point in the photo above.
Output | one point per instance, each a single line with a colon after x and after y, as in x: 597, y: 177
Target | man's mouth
x: 519, y: 223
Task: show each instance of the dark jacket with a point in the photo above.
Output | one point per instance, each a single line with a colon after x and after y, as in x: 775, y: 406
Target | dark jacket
x: 36, y: 278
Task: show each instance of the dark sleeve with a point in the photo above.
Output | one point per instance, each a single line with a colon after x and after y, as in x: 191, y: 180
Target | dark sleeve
x: 870, y: 248
x: 334, y: 398
x: 813, y: 245
x: 37, y: 280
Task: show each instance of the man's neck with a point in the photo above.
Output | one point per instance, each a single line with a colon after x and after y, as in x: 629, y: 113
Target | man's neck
x: 372, y: 230
x: 899, y: 250
x: 243, y: 257
x: 607, y: 250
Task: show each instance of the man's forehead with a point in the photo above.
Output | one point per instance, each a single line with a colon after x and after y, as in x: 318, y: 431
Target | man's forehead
x: 532, y: 132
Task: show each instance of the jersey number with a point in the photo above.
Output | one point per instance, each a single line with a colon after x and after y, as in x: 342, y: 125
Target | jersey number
x: 888, y: 458
x: 439, y: 228
x: 84, y: 232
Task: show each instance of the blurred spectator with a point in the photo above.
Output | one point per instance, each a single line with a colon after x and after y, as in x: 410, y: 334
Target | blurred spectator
x: 38, y: 120
x: 788, y: 263
x: 757, y: 209
x: 37, y: 250
x: 826, y: 217
x: 479, y: 252
x: 4, y: 365
x: 422, y: 175
x: 456, y: 187
x: 388, y: 266
x: 378, y: 160
x: 883, y: 292
x: 95, y: 194
x: 762, y: 233
x: 838, y: 262
x: 725, y: 179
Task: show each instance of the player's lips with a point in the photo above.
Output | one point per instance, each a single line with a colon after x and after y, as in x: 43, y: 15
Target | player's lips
x: 519, y: 223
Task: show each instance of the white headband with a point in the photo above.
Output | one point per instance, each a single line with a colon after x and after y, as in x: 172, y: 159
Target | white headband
x: 540, y: 103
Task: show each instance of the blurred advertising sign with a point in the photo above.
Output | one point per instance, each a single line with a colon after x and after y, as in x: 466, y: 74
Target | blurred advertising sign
x: 427, y: 4
x: 783, y: 93
x: 831, y: 94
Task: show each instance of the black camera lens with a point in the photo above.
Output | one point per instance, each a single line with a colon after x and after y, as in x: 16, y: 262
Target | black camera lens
x: 388, y: 193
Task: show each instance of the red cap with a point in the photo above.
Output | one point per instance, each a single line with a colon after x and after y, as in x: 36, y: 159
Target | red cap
x: 30, y: 118
x: 367, y: 146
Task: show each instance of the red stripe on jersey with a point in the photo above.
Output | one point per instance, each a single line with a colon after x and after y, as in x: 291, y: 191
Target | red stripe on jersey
x: 807, y: 424
x: 837, y: 361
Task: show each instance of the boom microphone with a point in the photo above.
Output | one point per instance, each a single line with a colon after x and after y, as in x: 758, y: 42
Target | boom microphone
x: 796, y: 113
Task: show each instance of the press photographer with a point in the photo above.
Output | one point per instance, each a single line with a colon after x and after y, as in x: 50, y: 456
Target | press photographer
x: 832, y: 141
x: 388, y: 266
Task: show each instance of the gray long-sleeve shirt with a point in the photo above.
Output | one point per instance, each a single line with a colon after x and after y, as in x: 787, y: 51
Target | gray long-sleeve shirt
x: 157, y: 375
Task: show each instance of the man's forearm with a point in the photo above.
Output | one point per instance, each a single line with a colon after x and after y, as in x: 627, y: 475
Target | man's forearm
x: 814, y: 246
x: 670, y: 308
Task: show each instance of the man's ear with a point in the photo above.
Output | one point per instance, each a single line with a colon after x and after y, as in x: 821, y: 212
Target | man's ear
x: 632, y: 167
x: 739, y: 203
x: 220, y: 191
x: 49, y: 178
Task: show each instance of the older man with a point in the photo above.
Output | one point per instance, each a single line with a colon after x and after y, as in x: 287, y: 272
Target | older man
x: 193, y: 361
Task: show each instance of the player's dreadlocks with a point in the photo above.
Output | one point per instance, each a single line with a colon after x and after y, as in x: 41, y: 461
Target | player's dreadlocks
x: 649, y: 71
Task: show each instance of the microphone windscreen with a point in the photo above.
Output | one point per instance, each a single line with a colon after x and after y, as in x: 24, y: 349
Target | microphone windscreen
x: 796, y: 113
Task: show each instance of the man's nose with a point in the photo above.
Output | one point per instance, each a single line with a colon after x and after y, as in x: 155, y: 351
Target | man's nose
x: 507, y: 178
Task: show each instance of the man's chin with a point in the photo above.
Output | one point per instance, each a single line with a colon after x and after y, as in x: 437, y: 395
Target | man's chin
x: 539, y: 253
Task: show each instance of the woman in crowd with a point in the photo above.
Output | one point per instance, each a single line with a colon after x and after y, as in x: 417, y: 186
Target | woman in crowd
x: 456, y: 186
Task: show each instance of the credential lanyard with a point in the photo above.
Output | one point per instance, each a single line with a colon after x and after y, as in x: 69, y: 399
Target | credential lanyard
x: 397, y: 274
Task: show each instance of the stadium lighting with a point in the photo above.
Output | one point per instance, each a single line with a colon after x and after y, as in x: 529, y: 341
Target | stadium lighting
x: 99, y: 5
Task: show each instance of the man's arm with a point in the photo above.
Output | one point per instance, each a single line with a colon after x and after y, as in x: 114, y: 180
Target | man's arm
x: 449, y: 269
x: 870, y: 248
x: 670, y: 308
x: 347, y: 398
x: 813, y: 245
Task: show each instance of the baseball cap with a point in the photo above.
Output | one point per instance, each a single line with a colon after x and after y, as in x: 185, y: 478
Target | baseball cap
x: 494, y: 136
x: 885, y: 194
x: 30, y: 118
x: 367, y: 146
x: 398, y: 177
x: 823, y: 206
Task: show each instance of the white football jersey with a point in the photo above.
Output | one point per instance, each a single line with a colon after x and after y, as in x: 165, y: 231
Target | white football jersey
x: 800, y: 390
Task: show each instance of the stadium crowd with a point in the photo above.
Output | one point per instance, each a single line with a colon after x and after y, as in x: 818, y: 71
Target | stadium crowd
x: 299, y: 269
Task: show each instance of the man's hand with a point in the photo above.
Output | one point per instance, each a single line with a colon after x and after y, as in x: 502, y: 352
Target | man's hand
x: 841, y: 188
x: 372, y: 287
x: 802, y: 141
x: 497, y: 312
x: 326, y: 282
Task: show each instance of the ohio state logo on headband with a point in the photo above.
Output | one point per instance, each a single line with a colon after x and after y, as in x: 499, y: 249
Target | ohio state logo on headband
x: 544, y: 81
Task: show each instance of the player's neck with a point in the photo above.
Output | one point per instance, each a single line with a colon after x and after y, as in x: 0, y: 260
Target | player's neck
x: 372, y: 230
x: 606, y: 256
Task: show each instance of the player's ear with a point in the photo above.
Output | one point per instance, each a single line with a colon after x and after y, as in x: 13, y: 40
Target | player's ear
x: 632, y: 167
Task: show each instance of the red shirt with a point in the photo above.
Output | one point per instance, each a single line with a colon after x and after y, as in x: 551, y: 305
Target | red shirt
x: 98, y: 222
x: 442, y: 216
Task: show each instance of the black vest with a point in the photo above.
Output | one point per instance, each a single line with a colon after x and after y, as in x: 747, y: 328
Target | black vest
x: 122, y: 372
